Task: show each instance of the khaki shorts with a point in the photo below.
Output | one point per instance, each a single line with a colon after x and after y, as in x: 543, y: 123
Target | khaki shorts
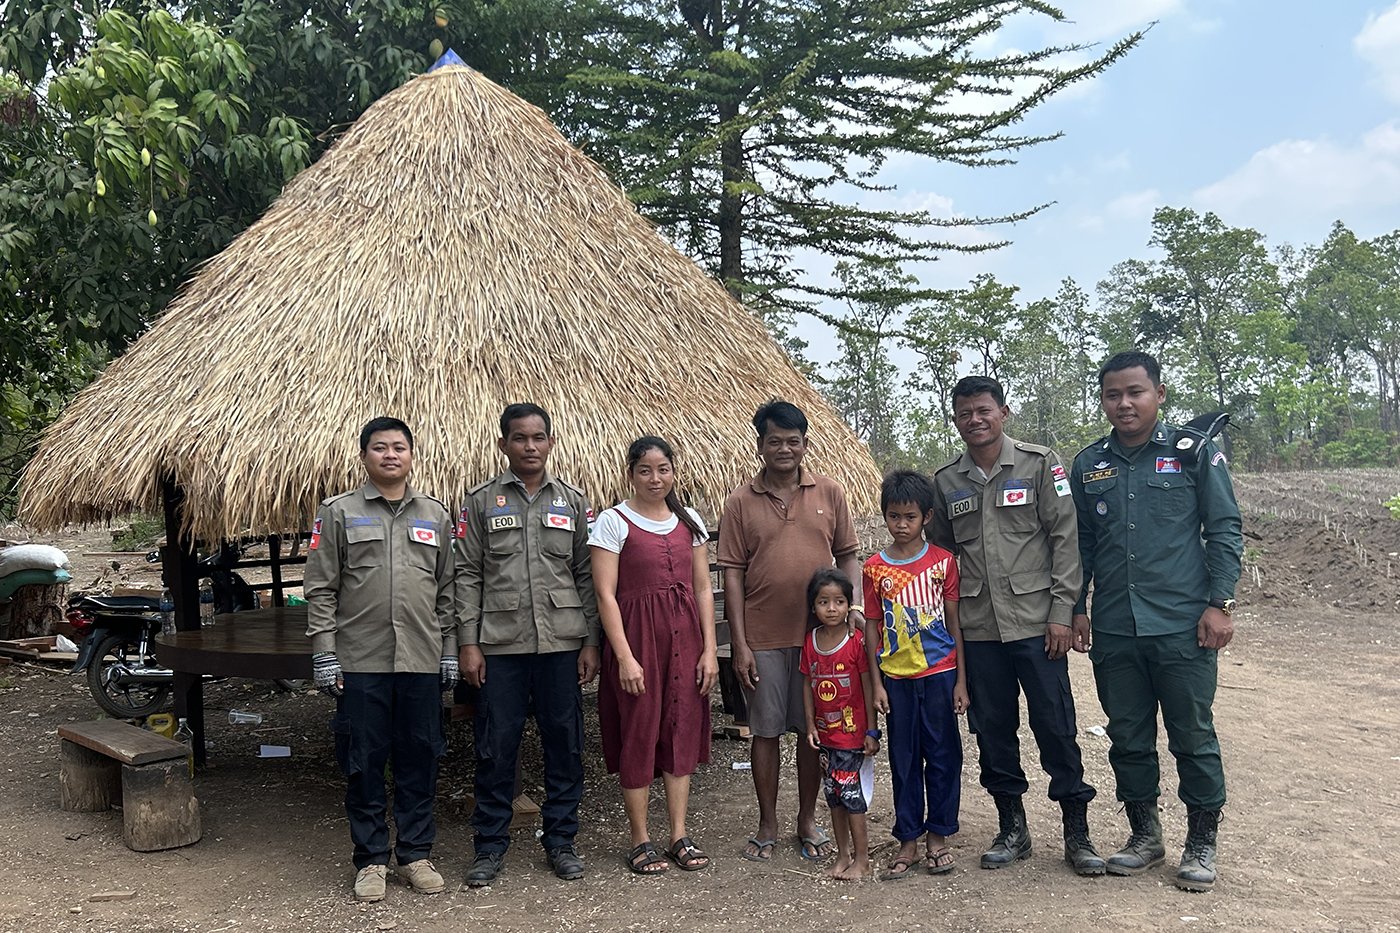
x: 775, y: 704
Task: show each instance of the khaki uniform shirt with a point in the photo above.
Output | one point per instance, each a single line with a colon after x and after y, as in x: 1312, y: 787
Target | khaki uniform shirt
x: 379, y: 583
x: 1016, y: 539
x: 524, y: 576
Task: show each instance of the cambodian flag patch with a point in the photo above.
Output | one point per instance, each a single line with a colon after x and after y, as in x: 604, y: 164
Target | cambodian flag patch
x: 461, y: 525
x: 1057, y: 471
x: 316, y: 535
x: 554, y: 520
x: 1168, y: 465
x: 423, y: 535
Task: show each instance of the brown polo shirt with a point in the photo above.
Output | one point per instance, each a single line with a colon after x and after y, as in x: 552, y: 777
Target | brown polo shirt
x: 779, y: 549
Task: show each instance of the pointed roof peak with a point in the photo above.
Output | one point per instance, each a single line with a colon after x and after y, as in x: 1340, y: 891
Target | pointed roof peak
x: 450, y: 57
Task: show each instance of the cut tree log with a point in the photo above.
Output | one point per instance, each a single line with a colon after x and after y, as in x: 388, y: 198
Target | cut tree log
x: 36, y: 609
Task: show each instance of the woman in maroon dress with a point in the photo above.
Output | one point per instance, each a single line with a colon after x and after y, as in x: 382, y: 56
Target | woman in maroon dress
x: 652, y: 575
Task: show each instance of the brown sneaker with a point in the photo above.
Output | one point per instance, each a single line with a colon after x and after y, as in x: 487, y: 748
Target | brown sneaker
x: 422, y: 877
x: 369, y: 883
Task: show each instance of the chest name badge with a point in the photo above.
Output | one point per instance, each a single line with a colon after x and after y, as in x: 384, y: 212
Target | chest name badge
x: 1168, y: 465
x: 1013, y: 495
x: 555, y: 520
x: 423, y: 535
x: 963, y: 506
x: 502, y: 522
x: 1101, y: 474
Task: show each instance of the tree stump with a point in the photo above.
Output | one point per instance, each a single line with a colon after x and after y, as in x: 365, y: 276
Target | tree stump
x: 159, y: 809
x: 88, y: 781
x: 36, y: 609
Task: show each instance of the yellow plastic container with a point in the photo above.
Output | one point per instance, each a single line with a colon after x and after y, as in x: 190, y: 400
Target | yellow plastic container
x: 161, y: 724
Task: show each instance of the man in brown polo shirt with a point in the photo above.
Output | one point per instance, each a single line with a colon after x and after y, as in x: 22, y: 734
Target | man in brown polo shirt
x: 777, y: 530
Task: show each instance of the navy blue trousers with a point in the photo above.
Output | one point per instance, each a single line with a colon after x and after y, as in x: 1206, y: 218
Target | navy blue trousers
x: 925, y: 755
x: 997, y: 673
x: 384, y: 715
x: 514, y: 684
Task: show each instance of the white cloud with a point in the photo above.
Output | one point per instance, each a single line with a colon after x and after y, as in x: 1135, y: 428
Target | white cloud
x: 1135, y: 205
x: 1312, y: 179
x: 1110, y: 20
x: 1378, y: 42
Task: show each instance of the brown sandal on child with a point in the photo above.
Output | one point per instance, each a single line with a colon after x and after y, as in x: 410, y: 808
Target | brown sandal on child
x: 939, y: 860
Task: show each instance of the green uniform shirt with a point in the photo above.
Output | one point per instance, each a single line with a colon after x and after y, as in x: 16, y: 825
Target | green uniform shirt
x: 379, y: 583
x: 1159, y: 537
x: 524, y: 575
x: 1014, y: 534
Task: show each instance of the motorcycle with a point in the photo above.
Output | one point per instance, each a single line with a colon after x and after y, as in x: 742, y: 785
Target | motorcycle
x: 118, y: 634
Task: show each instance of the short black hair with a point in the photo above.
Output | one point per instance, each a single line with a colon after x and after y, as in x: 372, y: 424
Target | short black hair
x: 968, y: 386
x: 383, y: 423
x: 784, y: 415
x: 523, y: 410
x: 908, y: 486
x: 1127, y: 360
x: 825, y: 577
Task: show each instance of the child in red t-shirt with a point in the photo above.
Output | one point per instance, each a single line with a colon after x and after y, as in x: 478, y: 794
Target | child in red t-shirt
x: 840, y: 715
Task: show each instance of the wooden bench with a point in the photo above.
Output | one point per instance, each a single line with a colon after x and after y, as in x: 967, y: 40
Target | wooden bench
x: 109, y: 761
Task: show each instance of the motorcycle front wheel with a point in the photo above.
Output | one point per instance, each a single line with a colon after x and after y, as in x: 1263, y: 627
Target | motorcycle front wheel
x: 122, y: 701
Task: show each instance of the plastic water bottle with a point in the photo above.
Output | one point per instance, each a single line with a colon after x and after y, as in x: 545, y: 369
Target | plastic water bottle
x: 185, y: 737
x: 167, y: 612
x: 206, y: 605
x: 237, y: 716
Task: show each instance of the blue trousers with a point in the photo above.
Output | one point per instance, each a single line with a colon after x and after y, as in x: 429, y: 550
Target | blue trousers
x: 997, y: 673
x: 515, y: 683
x: 379, y: 716
x: 925, y: 755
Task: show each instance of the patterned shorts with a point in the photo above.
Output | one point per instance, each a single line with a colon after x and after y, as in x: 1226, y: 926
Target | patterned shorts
x: 841, y: 778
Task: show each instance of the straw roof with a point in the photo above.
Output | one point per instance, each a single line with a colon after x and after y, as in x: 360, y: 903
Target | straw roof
x: 452, y: 253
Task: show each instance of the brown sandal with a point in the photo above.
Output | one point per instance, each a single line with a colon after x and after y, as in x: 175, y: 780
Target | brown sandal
x: 687, y: 855
x: 900, y: 868
x: 939, y: 860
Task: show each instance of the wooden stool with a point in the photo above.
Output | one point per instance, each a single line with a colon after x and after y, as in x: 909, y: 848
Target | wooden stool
x: 108, y: 760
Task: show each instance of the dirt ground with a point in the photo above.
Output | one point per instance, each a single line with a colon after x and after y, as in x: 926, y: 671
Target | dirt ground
x: 1308, y: 714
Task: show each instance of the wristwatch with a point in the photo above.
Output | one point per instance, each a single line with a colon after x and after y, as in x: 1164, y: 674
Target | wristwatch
x: 873, y: 733
x: 1226, y: 606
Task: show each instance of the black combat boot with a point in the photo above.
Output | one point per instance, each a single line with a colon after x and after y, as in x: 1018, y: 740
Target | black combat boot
x: 1144, y: 846
x: 1197, y: 871
x: 1013, y: 842
x: 1079, y: 851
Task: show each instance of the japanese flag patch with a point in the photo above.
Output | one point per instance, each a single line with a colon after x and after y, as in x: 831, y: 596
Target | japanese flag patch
x: 316, y: 535
x: 423, y: 535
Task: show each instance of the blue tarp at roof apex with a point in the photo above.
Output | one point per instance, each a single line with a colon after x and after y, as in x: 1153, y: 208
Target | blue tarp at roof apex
x: 449, y: 57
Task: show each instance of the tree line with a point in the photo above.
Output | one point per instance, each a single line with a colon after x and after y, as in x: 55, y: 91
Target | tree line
x: 1300, y: 345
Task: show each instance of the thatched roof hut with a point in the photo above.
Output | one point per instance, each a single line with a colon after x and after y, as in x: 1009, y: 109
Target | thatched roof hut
x: 452, y: 253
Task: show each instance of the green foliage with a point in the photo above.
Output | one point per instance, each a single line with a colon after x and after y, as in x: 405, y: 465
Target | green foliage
x: 1359, y: 447
x: 142, y: 533
x: 1393, y: 504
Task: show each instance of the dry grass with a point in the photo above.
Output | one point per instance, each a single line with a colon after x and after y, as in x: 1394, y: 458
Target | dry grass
x: 449, y: 255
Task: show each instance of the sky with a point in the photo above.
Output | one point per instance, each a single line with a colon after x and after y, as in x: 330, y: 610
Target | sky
x: 1280, y: 115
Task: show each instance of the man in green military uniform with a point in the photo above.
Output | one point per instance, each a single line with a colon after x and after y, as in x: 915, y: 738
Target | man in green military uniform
x: 1005, y: 510
x: 1159, y: 536
x: 379, y: 593
x: 529, y: 633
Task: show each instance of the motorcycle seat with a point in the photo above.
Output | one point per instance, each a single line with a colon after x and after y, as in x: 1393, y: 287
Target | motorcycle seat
x: 122, y: 603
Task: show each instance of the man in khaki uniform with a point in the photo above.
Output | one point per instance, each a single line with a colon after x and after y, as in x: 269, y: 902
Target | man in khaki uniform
x: 379, y: 593
x: 529, y: 633
x: 1005, y: 509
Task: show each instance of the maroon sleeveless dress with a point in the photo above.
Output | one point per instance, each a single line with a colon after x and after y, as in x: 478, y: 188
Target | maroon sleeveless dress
x: 668, y: 727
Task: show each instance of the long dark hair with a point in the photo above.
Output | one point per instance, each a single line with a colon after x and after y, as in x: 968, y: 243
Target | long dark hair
x: 636, y: 451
